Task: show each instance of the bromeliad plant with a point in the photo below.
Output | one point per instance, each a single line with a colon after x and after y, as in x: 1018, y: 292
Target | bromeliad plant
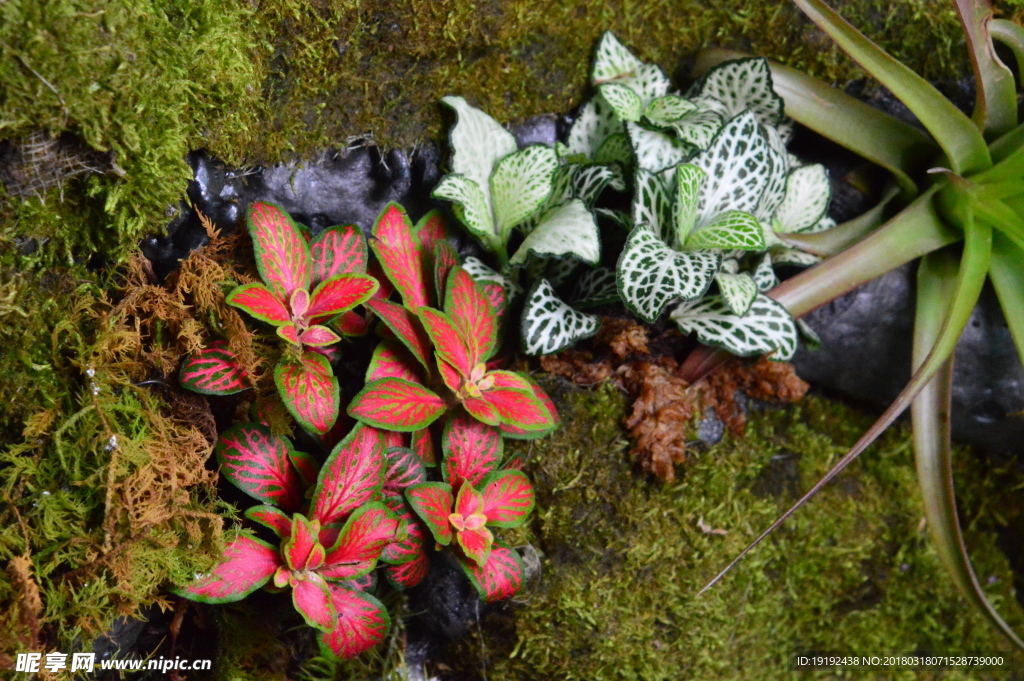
x: 961, y: 187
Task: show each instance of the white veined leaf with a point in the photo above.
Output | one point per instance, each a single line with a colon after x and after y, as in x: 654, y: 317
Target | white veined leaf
x: 624, y: 102
x: 764, y: 275
x: 811, y: 338
x: 739, y: 167
x: 689, y: 182
x: 612, y: 60
x: 742, y: 85
x: 485, y: 275
x: 785, y: 128
x: 732, y: 230
x: 655, y: 151
x: 520, y: 185
x: 595, y: 287
x: 807, y: 195
x: 616, y: 216
x: 470, y: 207
x: 650, y: 275
x: 587, y: 182
x: 648, y: 81
x: 549, y: 325
x: 766, y: 328
x: 825, y: 223
x: 664, y: 111
x: 794, y: 257
x: 567, y: 229
x: 478, y: 142
x: 559, y: 270
x: 738, y: 291
x: 615, y: 149
x: 730, y: 265
x: 775, y: 192
x: 595, y: 124
x: 652, y: 203
x: 699, y: 127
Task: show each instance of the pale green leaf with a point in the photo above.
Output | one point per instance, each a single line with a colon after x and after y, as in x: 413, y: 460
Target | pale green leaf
x: 652, y: 203
x: 808, y: 192
x: 689, y: 182
x: 549, y: 325
x: 567, y: 229
x: 648, y: 81
x: 612, y: 60
x: 766, y: 328
x: 478, y: 142
x: 663, y: 111
x: 764, y: 275
x: 655, y: 151
x: 738, y: 291
x: 615, y: 149
x: 699, y: 127
x: 595, y: 124
x: 624, y: 102
x: 739, y: 167
x: 521, y: 184
x: 732, y: 230
x: 650, y: 275
x: 470, y: 207
x: 742, y: 85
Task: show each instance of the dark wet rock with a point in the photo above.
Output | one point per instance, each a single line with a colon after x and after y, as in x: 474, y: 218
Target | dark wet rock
x: 537, y: 130
x: 866, y: 348
x: 122, y: 636
x: 711, y: 429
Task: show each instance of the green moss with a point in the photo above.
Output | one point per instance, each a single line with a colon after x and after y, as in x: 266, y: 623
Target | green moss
x: 623, y: 559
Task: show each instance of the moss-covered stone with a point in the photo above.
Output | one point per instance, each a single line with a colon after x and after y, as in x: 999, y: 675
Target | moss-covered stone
x: 852, y: 572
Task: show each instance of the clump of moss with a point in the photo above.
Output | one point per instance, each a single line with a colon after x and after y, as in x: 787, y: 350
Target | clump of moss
x: 852, y: 572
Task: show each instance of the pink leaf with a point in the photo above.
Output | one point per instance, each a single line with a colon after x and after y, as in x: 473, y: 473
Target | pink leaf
x: 516, y: 402
x: 213, y: 371
x: 371, y: 528
x: 405, y: 326
x: 390, y: 360
x: 423, y: 445
x: 482, y: 410
x: 338, y: 250
x: 310, y: 391
x: 508, y: 498
x: 248, y: 564
x: 274, y: 518
x: 498, y: 299
x: 351, y: 324
x: 449, y: 375
x: 394, y: 404
x: 351, y: 476
x: 445, y: 259
x: 307, y: 467
x: 401, y: 256
x: 365, y: 583
x: 471, y: 450
x: 433, y: 502
x: 340, y: 294
x: 282, y: 255
x: 258, y: 463
x: 430, y: 229
x: 362, y: 623
x: 476, y: 544
x: 411, y: 545
x: 500, y: 577
x: 313, y: 600
x: 407, y: 575
x: 469, y: 501
x: 289, y: 332
x: 515, y: 432
x: 302, y: 550
x: 404, y: 468
x: 318, y: 335
x: 471, y: 312
x: 448, y: 341
x: 260, y: 302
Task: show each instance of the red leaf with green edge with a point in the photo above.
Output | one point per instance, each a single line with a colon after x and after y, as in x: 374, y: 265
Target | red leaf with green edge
x: 401, y: 256
x: 371, y: 528
x: 282, y: 254
x: 404, y: 468
x: 351, y: 324
x: 449, y: 375
x: 260, y: 302
x: 498, y: 299
x: 309, y: 390
x: 411, y: 545
x: 365, y: 583
x: 445, y: 259
x: 363, y: 622
x: 433, y: 503
x: 476, y: 544
x: 307, y: 467
x: 340, y: 294
x: 471, y: 450
x: 516, y: 433
x: 448, y: 341
x: 213, y: 371
x: 274, y: 518
x: 482, y: 410
x: 332, y: 353
x: 408, y: 575
x: 290, y: 333
x: 248, y: 564
x: 517, y: 406
x: 258, y: 463
x: 516, y: 462
x: 390, y: 360
x: 469, y: 501
x: 394, y: 404
x: 423, y: 445
x: 338, y: 250
x: 351, y: 476
x: 312, y: 599
x: 302, y: 550
x: 318, y: 335
x: 508, y: 498
x: 430, y: 229
x: 405, y: 326
x: 386, y: 287
x: 499, y: 578
x: 471, y: 312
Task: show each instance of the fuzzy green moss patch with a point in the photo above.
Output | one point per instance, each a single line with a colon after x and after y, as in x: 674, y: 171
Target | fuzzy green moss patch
x: 852, y: 572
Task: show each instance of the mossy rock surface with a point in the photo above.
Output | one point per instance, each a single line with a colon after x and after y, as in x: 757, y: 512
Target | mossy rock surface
x: 853, y: 572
